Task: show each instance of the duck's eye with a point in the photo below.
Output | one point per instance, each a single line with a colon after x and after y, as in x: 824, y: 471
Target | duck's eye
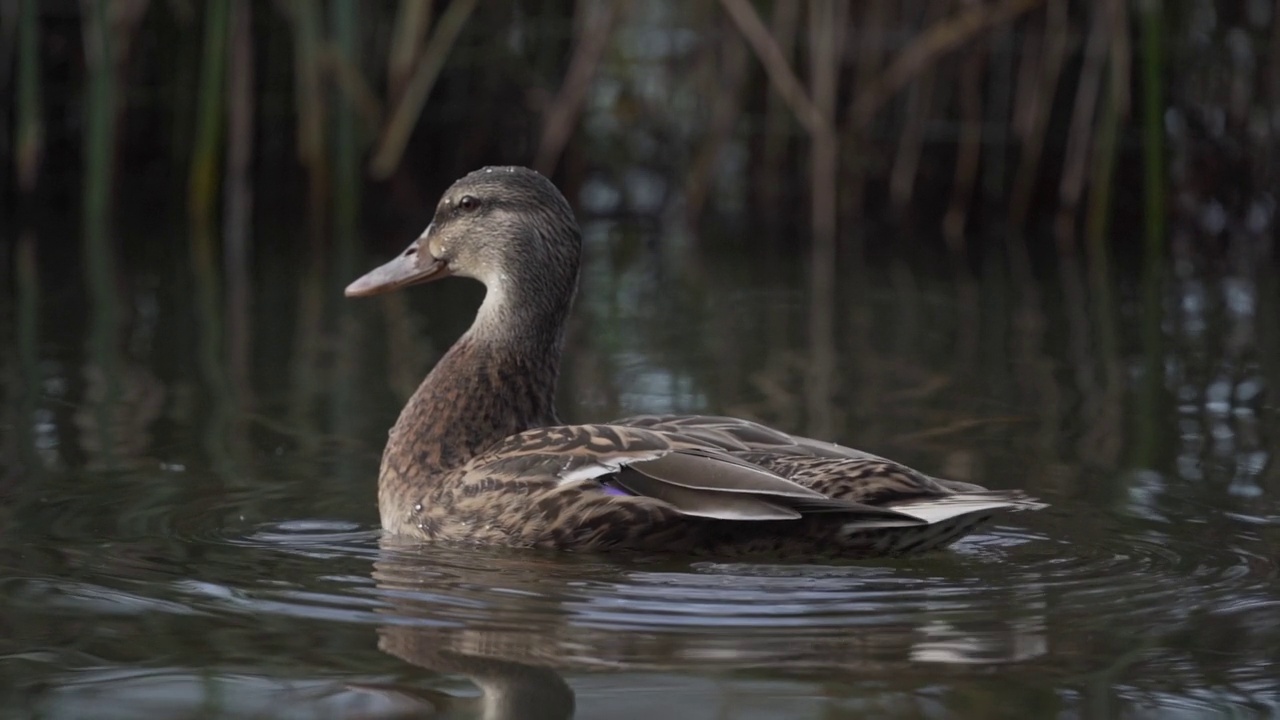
x: 468, y: 203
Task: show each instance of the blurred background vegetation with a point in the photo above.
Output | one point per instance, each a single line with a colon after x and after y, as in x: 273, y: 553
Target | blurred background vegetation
x: 815, y: 124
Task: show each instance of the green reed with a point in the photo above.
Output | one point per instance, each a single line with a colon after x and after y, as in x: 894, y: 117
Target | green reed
x: 210, y: 116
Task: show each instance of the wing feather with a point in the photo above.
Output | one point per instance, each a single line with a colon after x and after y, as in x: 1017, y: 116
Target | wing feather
x: 704, y: 479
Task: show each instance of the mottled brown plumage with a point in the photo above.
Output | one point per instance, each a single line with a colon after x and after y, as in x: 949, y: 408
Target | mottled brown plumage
x: 479, y: 456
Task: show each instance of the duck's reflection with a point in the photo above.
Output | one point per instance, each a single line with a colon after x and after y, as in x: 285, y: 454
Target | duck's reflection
x: 508, y: 670
x: 510, y: 622
x: 508, y: 689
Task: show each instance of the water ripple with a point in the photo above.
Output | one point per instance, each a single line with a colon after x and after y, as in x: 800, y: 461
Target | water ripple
x: 1133, y: 598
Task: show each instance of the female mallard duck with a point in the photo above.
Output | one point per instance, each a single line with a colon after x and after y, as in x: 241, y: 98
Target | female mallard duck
x: 478, y: 454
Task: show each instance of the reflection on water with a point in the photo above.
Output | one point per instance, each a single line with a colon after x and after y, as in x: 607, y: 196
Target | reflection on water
x: 188, y: 522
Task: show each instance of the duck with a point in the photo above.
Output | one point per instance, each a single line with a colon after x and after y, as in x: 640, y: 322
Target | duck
x: 480, y: 456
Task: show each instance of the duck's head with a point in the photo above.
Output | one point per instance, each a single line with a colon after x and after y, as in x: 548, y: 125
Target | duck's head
x: 507, y: 227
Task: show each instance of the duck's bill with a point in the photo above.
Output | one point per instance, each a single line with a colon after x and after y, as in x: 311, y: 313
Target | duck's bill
x: 408, y: 268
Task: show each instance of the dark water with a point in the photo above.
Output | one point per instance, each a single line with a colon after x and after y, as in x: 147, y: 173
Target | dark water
x: 189, y: 526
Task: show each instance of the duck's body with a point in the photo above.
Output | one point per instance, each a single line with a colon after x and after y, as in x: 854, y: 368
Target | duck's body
x: 479, y: 455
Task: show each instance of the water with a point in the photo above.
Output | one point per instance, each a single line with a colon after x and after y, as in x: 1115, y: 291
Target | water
x: 189, y: 526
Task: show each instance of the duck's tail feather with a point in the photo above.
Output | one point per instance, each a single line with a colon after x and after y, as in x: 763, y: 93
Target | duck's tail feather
x: 941, y: 509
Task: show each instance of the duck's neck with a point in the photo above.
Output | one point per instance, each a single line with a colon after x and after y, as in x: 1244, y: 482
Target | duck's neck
x: 499, y: 379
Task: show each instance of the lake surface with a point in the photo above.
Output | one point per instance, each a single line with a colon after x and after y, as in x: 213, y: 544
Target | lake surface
x: 189, y: 529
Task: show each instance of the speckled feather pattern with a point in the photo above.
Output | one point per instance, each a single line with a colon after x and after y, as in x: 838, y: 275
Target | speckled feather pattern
x: 479, y: 456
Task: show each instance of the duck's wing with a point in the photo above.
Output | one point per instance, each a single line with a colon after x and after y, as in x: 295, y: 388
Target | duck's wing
x: 696, y: 478
x: 834, y: 470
